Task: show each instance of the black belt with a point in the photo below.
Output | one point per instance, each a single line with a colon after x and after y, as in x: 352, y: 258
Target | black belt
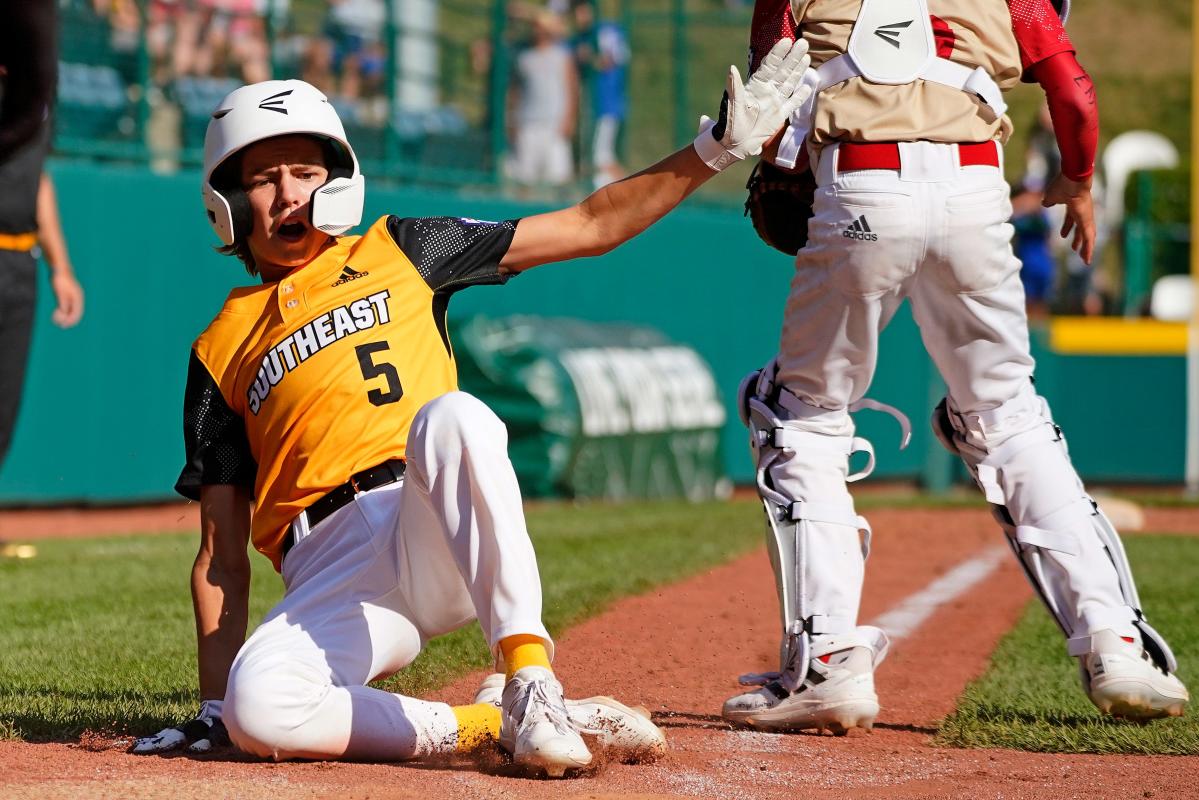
x: 385, y: 473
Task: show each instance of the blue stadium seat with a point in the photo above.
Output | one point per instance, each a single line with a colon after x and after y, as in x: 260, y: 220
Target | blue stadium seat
x: 198, y: 98
x: 439, y: 138
x: 445, y: 121
x: 93, y: 102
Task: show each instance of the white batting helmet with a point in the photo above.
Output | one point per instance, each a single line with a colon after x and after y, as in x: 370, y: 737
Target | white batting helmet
x: 262, y: 111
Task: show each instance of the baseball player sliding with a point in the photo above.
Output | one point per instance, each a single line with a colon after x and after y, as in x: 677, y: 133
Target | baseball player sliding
x: 325, y: 399
x: 903, y: 137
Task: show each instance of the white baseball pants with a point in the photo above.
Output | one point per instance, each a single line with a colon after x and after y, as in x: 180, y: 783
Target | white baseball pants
x: 936, y: 234
x: 377, y: 579
x: 542, y: 155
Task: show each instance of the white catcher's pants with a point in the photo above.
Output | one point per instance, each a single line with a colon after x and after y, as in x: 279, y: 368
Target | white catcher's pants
x: 936, y: 234
x: 377, y: 579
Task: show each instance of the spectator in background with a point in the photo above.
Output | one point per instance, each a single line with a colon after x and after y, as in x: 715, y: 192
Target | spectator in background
x: 124, y: 33
x: 603, y: 53
x: 350, y: 59
x: 208, y: 38
x: 172, y: 36
x: 234, y: 35
x: 1031, y: 245
x: 543, y: 107
x: 1077, y: 294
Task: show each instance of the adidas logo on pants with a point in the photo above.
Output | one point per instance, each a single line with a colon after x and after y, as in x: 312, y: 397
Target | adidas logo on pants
x: 860, y: 229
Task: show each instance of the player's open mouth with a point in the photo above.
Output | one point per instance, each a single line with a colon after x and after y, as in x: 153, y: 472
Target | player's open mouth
x: 292, y: 231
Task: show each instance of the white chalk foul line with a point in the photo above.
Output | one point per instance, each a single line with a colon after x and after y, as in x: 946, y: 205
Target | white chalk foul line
x: 902, y: 620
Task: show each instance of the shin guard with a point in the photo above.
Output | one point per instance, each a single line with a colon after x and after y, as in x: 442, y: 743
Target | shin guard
x: 808, y: 536
x: 1068, y: 549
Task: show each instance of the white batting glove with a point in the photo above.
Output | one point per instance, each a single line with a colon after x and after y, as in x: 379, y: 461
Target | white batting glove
x: 751, y: 113
x: 199, y: 735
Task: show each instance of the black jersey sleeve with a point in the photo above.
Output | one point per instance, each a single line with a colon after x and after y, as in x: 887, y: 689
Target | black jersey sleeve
x: 29, y: 48
x: 452, y: 253
x: 214, y: 437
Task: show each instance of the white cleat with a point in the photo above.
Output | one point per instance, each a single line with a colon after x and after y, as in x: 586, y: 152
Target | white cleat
x: 535, y: 726
x: 837, y: 695
x: 1122, y: 680
x: 627, y: 733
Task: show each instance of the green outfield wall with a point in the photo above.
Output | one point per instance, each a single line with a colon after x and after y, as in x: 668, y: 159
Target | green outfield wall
x: 100, y: 420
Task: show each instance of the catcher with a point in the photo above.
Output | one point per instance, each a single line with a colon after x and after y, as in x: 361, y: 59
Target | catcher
x: 322, y: 424
x: 904, y: 136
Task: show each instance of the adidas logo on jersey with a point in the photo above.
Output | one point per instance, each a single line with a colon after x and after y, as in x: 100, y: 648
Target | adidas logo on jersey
x: 860, y: 229
x: 348, y: 274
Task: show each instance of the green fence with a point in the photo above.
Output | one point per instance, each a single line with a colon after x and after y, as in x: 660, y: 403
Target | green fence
x: 1157, y: 233
x: 422, y: 94
x: 102, y: 404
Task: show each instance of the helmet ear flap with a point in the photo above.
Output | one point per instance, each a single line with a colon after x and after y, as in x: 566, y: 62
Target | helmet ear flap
x: 219, y: 215
x: 239, y: 211
x: 339, y: 163
x: 233, y: 209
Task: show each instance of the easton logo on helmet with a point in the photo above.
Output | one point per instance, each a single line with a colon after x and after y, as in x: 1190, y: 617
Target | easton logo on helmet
x: 275, y: 102
x: 890, y: 33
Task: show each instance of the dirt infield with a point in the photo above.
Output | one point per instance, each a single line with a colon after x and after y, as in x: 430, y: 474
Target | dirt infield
x: 678, y: 650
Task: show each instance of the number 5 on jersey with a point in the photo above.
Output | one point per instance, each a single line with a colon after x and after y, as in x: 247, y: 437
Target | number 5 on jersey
x: 370, y: 369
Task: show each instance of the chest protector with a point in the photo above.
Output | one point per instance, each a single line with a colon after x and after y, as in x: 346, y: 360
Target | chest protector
x: 891, y: 44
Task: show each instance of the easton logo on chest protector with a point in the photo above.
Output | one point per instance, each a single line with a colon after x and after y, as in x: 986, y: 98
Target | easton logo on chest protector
x: 890, y: 33
x: 892, y: 40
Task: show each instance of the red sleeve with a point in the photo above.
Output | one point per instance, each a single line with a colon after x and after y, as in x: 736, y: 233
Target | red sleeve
x: 1071, y: 97
x: 772, y: 21
x: 1039, y: 32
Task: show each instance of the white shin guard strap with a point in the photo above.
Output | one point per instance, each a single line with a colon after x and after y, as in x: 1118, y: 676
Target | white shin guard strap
x: 1060, y: 530
x: 1047, y: 540
x: 986, y: 471
x: 802, y: 510
x: 787, y: 437
x: 1081, y: 645
x: 821, y: 624
x: 827, y: 512
x: 905, y: 424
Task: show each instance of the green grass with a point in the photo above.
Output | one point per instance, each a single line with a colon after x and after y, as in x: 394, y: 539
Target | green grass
x: 1152, y: 499
x: 1030, y: 698
x: 98, y: 634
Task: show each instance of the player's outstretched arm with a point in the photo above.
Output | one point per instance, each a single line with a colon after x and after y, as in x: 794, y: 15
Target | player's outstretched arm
x: 220, y: 585
x: 750, y: 115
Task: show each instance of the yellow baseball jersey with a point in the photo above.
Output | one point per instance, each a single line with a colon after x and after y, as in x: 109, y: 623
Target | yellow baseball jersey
x: 976, y: 33
x: 298, y: 384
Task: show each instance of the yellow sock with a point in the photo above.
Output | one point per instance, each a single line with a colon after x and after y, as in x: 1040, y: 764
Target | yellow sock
x: 524, y: 650
x: 478, y: 725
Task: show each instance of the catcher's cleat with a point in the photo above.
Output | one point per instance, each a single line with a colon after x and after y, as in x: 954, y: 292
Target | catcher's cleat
x: 836, y: 695
x: 624, y: 732
x: 1122, y: 680
x: 535, y: 727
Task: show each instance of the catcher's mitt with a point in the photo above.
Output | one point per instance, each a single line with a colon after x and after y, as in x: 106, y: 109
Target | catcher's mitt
x: 780, y: 205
